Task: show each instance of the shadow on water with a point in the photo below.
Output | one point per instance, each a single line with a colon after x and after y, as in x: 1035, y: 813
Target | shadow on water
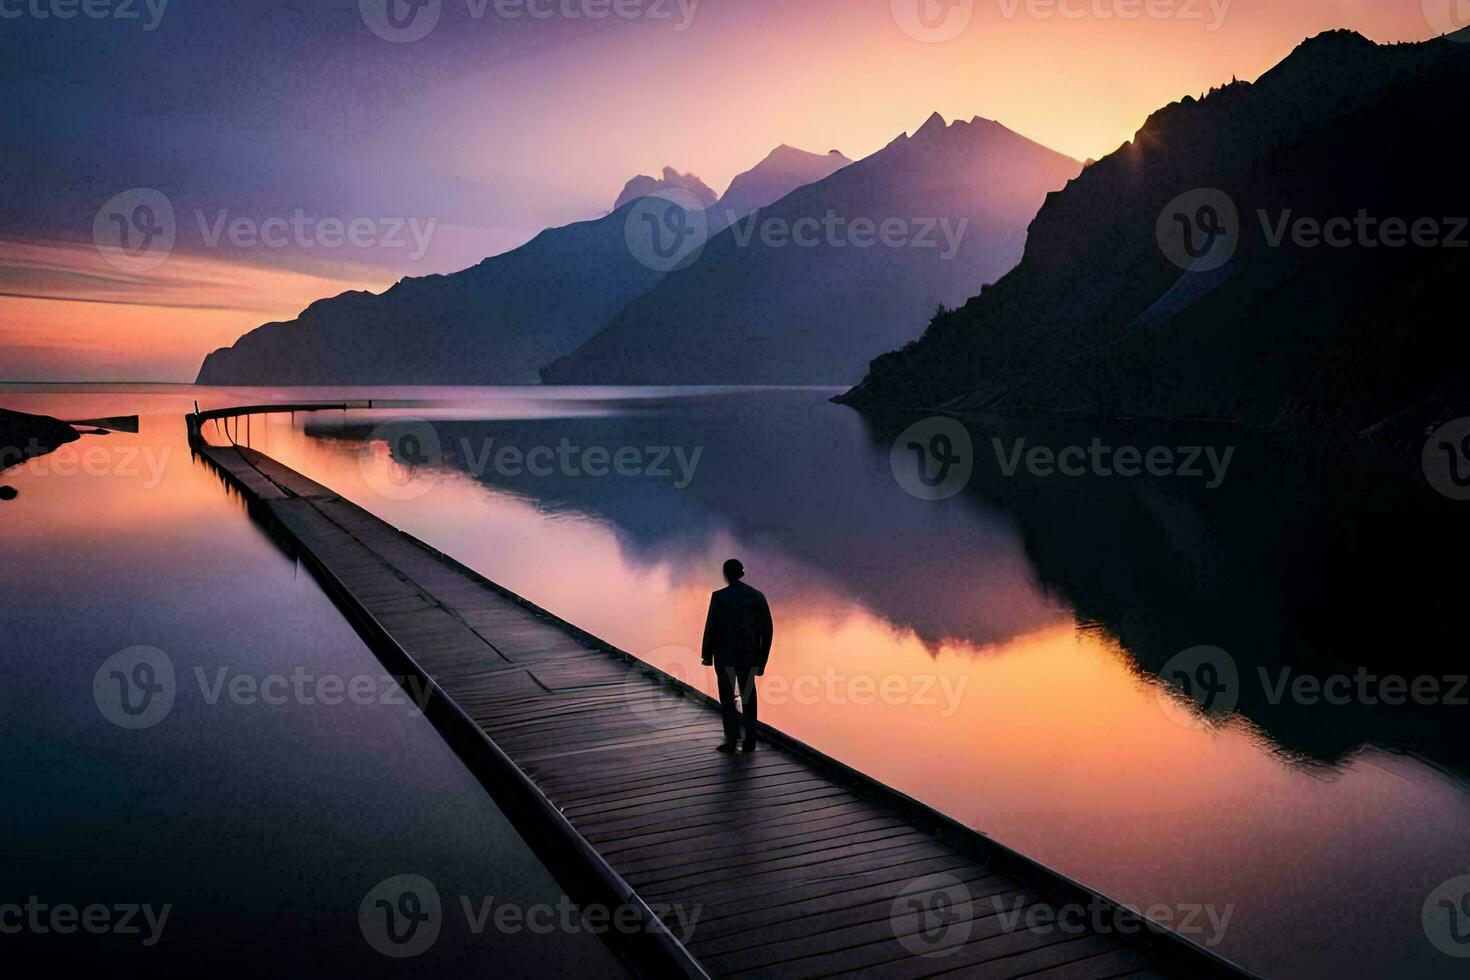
x: 1304, y: 561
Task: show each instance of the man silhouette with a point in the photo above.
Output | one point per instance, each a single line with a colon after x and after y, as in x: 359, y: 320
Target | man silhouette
x: 737, y: 643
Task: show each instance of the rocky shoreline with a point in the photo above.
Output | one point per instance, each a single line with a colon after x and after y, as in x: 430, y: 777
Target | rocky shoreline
x: 23, y: 437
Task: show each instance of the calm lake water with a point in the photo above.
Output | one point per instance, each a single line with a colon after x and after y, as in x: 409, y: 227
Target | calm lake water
x: 994, y: 654
x: 261, y: 826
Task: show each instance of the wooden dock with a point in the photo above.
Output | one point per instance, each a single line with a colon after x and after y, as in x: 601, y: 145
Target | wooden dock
x: 797, y: 865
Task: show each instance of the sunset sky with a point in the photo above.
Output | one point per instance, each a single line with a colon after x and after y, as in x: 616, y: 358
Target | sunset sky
x: 491, y: 127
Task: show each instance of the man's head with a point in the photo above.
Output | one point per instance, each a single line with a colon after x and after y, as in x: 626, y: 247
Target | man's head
x: 734, y: 571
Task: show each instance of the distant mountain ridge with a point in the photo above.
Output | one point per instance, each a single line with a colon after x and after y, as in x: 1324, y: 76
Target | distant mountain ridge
x: 1097, y: 320
x: 786, y: 169
x: 498, y: 322
x: 807, y: 290
x: 646, y: 186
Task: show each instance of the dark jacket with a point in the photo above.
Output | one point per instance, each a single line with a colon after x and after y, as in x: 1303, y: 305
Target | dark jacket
x: 738, y: 630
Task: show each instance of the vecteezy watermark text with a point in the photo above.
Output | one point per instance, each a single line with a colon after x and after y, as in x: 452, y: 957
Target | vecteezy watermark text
x: 1211, y: 12
x: 128, y: 462
x: 137, y: 688
x: 406, y: 21
x: 836, y: 231
x: 674, y: 463
x: 1202, y: 229
x: 1100, y: 459
x: 122, y: 10
x: 1365, y: 687
x: 1097, y: 917
x: 137, y: 231
x: 64, y: 919
x: 415, y: 454
x: 1199, y: 687
x: 403, y: 916
x: 807, y: 689
x: 307, y: 231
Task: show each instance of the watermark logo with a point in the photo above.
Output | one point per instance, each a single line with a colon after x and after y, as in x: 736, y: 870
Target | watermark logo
x: 135, y: 231
x: 401, y: 21
x: 135, y: 688
x: 1446, y: 460
x: 1199, y: 230
x: 1200, y: 687
x: 401, y: 916
x: 933, y: 21
x: 1447, y: 917
x: 1449, y: 17
x: 667, y: 230
x: 410, y: 467
x: 653, y: 702
x: 933, y: 459
x: 933, y: 916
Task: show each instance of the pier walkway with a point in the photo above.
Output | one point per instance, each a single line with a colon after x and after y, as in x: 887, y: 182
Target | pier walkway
x: 796, y: 865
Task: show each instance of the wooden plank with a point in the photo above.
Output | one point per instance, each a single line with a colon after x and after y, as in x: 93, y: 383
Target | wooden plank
x: 773, y: 921
x: 865, y: 945
x: 891, y: 865
x: 798, y: 841
x: 740, y: 902
x: 749, y: 837
x: 675, y: 836
x: 229, y: 460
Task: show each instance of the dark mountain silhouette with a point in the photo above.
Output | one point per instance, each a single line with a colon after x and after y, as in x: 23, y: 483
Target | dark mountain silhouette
x: 646, y: 186
x: 813, y: 304
x: 786, y: 169
x: 1097, y: 320
x: 496, y: 323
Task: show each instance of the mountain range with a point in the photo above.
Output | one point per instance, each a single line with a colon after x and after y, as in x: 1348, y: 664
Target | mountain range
x: 500, y: 321
x: 1324, y: 207
x: 809, y: 289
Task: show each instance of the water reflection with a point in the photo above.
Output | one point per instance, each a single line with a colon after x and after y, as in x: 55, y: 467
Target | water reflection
x: 260, y: 824
x: 772, y: 474
x: 994, y: 654
x: 1309, y: 562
